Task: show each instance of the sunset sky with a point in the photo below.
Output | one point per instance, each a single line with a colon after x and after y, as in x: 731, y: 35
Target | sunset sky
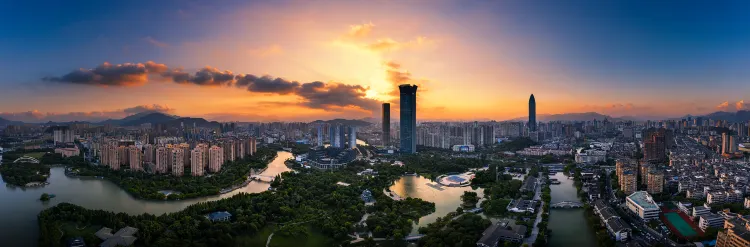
x: 306, y: 60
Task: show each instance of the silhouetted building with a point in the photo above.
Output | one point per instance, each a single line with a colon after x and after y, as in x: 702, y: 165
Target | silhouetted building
x: 532, y: 113
x: 386, y: 124
x: 408, y: 129
x: 655, y: 144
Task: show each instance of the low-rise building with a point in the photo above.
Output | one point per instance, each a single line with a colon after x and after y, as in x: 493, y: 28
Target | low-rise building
x: 219, y: 216
x: 521, y: 206
x: 642, y: 205
x: 700, y: 210
x: 710, y: 220
x: 498, y: 231
x: 123, y: 237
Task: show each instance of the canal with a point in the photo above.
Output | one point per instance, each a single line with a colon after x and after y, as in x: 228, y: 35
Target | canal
x: 568, y: 226
x: 20, y: 206
x: 446, y: 200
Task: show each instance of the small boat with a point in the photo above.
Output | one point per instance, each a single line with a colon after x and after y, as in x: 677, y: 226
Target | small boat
x: 52, y: 196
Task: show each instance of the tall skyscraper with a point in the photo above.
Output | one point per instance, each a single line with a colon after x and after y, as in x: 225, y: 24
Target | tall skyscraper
x: 408, y: 129
x: 352, y: 137
x: 386, y: 124
x: 532, y: 113
x: 320, y: 135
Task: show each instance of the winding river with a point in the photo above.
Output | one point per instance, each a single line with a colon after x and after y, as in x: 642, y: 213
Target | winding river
x: 20, y: 206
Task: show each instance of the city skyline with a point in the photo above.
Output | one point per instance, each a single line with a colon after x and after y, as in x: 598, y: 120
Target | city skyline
x: 614, y: 59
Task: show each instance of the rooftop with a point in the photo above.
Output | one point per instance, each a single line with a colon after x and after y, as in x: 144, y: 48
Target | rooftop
x: 219, y: 215
x: 643, y: 199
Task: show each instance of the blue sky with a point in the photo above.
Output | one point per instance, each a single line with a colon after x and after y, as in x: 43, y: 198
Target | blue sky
x: 647, y: 58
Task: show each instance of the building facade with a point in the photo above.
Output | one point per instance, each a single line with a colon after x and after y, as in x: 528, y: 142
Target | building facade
x: 408, y: 121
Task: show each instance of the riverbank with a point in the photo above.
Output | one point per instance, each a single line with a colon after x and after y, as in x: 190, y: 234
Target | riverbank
x: 25, y: 174
x: 568, y: 227
x: 19, y: 227
x: 233, y: 175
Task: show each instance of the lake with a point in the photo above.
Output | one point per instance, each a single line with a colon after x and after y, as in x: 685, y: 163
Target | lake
x: 20, y: 206
x: 446, y: 201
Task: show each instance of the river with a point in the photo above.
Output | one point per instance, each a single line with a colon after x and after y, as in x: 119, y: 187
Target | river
x: 568, y: 226
x: 20, y: 206
x: 446, y: 201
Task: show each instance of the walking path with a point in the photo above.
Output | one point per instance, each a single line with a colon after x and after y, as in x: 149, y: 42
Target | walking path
x: 535, y: 231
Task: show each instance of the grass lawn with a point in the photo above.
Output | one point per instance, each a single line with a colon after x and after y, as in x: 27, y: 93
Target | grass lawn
x: 35, y: 155
x: 73, y: 229
x: 314, y: 240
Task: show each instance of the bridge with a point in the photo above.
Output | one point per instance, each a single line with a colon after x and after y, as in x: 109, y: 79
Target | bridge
x: 566, y: 204
x: 263, y: 178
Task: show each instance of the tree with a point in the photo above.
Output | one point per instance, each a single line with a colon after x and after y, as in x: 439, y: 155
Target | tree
x: 469, y: 198
x: 44, y: 197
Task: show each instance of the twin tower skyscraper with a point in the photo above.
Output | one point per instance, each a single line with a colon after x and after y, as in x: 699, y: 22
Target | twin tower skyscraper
x: 408, y: 119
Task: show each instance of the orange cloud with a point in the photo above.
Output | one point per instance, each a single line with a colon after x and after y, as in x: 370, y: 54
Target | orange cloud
x: 319, y: 95
x: 359, y: 31
x: 740, y: 105
x: 396, y: 77
x: 723, y: 106
x: 388, y: 44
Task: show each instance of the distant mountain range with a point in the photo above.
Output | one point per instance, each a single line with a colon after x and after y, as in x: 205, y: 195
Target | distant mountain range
x: 154, y: 118
x: 348, y: 122
x: 4, y: 121
x: 584, y: 116
x: 738, y: 116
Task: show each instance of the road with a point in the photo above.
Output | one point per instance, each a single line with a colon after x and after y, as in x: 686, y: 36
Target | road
x: 535, y: 231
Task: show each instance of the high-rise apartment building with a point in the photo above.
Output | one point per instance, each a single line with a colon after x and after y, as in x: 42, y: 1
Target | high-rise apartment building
x: 736, y: 233
x: 186, y: 152
x: 135, y: 159
x: 655, y: 183
x: 196, y: 162
x: 149, y: 152
x: 386, y: 124
x: 728, y: 145
x: 123, y: 155
x: 177, y: 160
x: 408, y: 121
x: 228, y: 147
x: 162, y: 159
x: 111, y: 156
x: 215, y: 158
x: 629, y: 181
x: 62, y: 134
x: 532, y: 113
x: 655, y: 145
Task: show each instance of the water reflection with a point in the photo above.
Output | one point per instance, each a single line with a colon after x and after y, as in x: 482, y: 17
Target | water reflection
x: 568, y: 226
x: 20, y: 206
x: 446, y: 200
